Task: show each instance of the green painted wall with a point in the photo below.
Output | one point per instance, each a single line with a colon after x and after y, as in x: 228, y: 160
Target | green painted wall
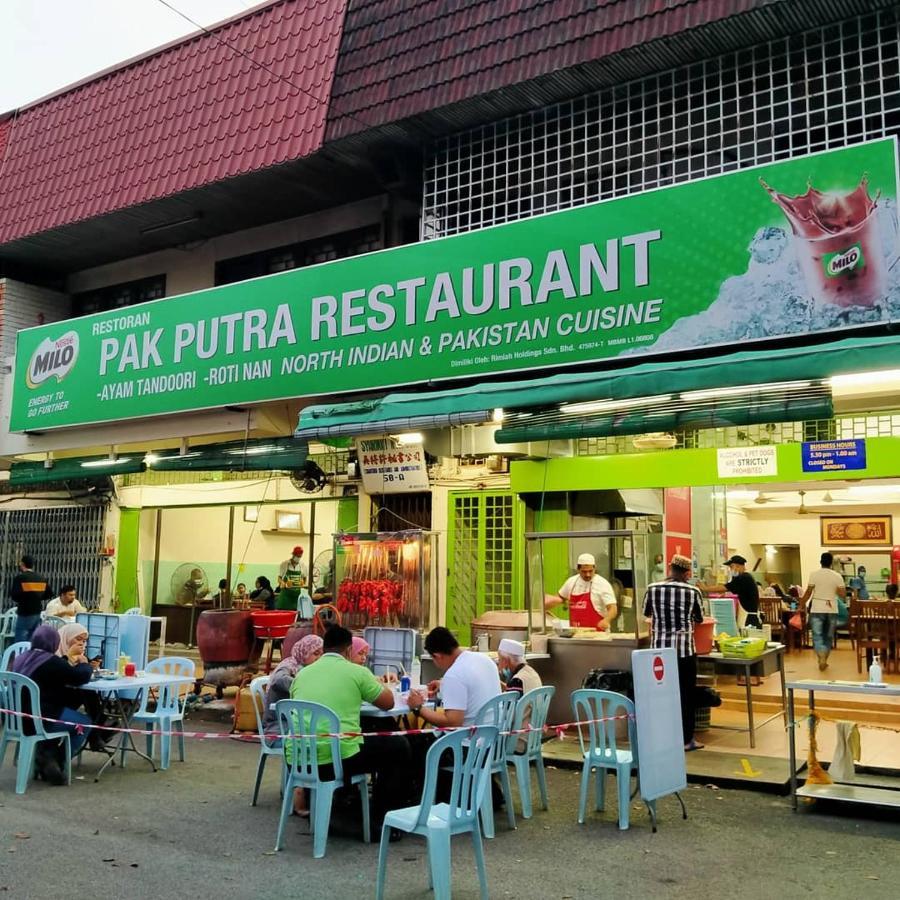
x: 127, y: 559
x: 685, y: 468
x: 348, y: 514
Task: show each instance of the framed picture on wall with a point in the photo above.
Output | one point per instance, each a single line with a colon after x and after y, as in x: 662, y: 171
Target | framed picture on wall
x: 856, y: 531
x: 251, y: 513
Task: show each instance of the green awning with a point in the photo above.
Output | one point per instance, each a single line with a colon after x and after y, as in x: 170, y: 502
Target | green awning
x: 260, y: 454
x: 75, y: 468
x: 423, y: 410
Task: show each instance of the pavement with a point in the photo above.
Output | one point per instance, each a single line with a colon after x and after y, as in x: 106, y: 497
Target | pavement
x: 191, y: 832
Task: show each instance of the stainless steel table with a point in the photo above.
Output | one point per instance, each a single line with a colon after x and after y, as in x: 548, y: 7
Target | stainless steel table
x: 848, y: 793
x: 767, y: 663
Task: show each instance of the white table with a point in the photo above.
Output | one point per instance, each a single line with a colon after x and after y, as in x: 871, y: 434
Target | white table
x: 400, y: 708
x: 111, y: 689
x: 849, y: 793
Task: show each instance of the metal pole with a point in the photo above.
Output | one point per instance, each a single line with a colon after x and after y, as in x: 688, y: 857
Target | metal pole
x: 229, y: 556
x: 155, y: 586
x: 312, y: 546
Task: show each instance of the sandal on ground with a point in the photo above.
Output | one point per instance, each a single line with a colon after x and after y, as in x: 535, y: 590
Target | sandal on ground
x: 693, y: 745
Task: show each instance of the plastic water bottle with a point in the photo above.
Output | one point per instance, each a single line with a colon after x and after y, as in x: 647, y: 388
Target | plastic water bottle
x: 875, y: 670
x: 416, y: 673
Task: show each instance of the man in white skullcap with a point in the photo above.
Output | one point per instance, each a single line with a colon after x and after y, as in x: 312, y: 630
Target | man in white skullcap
x: 516, y: 675
x: 591, y: 598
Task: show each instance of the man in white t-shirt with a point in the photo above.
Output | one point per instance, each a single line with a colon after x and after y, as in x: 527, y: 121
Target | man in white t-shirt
x: 66, y: 605
x: 592, y: 600
x: 470, y: 680
x: 824, y: 587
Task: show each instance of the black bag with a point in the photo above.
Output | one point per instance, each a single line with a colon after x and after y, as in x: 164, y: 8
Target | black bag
x: 610, y: 680
x: 706, y: 697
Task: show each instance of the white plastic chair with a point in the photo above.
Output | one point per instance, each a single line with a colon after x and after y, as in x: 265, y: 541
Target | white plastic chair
x: 10, y: 653
x: 269, y: 744
x: 438, y: 822
x: 168, y: 716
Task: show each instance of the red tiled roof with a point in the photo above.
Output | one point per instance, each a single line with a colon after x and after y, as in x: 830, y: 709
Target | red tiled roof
x: 401, y: 58
x: 193, y: 113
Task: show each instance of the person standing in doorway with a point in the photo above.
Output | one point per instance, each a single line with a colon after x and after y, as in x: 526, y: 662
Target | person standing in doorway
x: 674, y: 607
x: 29, y: 591
x: 822, y: 592
x: 744, y: 585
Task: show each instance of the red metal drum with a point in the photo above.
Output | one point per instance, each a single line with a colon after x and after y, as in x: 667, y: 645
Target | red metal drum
x: 225, y: 637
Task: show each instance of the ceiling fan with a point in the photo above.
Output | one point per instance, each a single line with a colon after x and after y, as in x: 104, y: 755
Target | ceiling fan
x: 761, y: 498
x: 802, y: 511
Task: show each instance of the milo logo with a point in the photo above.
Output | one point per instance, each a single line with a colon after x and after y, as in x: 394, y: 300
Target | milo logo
x: 837, y: 264
x: 52, y: 359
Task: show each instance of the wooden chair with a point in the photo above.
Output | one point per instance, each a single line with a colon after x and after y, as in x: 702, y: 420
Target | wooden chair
x: 771, y: 613
x: 874, y: 626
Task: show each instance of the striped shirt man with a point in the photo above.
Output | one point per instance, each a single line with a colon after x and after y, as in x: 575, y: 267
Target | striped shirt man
x: 673, y: 607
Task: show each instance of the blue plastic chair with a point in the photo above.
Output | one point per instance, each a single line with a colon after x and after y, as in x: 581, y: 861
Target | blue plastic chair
x: 600, y: 751
x: 269, y: 744
x: 7, y: 627
x: 300, y: 717
x: 10, y: 653
x: 168, y: 714
x: 55, y: 622
x: 499, y: 711
x: 13, y: 690
x: 438, y: 822
x: 531, y: 710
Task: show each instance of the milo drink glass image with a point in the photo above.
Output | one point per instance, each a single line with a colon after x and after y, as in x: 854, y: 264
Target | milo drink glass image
x: 838, y: 245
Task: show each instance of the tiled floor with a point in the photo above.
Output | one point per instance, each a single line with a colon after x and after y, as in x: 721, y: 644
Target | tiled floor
x: 880, y: 747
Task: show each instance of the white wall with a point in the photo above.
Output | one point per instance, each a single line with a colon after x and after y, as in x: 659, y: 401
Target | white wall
x: 779, y: 527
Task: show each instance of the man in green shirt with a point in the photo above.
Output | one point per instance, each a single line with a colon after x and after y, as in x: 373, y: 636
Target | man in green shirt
x: 343, y: 687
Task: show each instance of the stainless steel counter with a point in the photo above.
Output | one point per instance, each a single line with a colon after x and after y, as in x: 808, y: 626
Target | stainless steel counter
x: 572, y: 658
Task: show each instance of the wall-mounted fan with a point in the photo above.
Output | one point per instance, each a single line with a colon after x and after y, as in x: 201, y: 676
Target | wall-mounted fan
x: 189, y: 584
x: 310, y: 479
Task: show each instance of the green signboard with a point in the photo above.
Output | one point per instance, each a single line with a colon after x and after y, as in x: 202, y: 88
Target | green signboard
x: 793, y: 247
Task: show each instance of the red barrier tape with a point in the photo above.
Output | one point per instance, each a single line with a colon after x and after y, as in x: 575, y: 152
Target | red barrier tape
x: 559, y: 730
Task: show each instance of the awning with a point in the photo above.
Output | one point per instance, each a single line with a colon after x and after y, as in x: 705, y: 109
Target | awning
x: 275, y: 454
x: 75, y: 469
x: 439, y: 409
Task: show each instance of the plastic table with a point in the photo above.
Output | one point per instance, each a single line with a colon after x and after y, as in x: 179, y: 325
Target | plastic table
x: 848, y: 793
x: 112, y: 689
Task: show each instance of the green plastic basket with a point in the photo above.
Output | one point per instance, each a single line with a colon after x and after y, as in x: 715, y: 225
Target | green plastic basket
x: 742, y: 648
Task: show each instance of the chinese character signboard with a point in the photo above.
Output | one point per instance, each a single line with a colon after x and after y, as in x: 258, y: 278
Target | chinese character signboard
x: 834, y: 456
x: 390, y: 469
x: 720, y: 261
x: 856, y: 531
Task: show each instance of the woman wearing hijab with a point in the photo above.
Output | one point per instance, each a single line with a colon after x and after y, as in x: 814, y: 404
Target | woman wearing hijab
x: 264, y: 593
x: 58, y: 675
x: 359, y: 651
x: 304, y: 653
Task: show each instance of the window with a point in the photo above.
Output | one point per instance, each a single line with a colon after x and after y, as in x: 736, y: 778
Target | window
x: 118, y: 295
x: 815, y: 91
x: 296, y: 256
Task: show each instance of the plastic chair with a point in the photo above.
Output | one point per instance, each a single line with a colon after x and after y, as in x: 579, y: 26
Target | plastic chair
x: 134, y: 611
x: 438, y: 822
x: 499, y: 711
x: 299, y: 717
x: 56, y: 622
x: 168, y: 716
x: 7, y: 627
x: 10, y: 653
x: 600, y: 751
x: 13, y: 690
x: 268, y: 744
x: 531, y: 710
